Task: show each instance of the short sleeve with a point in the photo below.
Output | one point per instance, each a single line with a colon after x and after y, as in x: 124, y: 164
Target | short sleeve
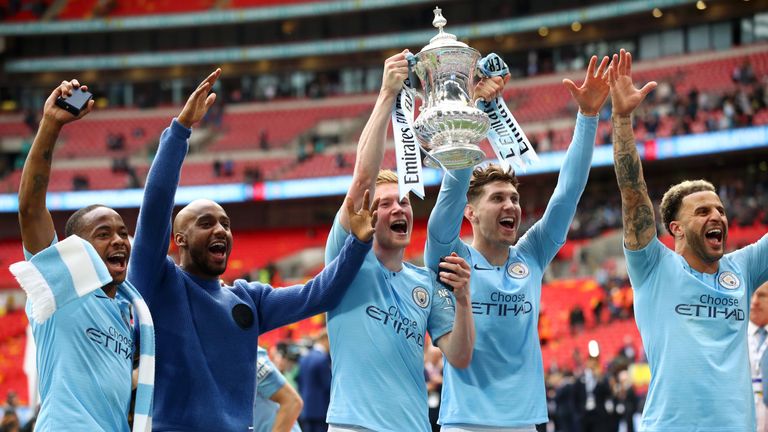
x: 442, y: 312
x: 755, y: 259
x: 268, y: 377
x: 336, y: 239
x: 28, y: 256
x: 642, y: 262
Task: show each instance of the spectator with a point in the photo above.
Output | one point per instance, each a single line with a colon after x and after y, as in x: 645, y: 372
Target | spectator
x: 314, y: 381
x: 217, y: 168
x: 264, y: 140
x: 576, y: 319
x: 80, y: 182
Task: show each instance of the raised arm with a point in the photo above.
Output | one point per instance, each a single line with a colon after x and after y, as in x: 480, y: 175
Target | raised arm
x: 636, y: 206
x: 574, y: 173
x: 35, y: 220
x: 445, y: 220
x: 278, y: 307
x: 153, y: 229
x: 370, y: 148
x: 460, y: 342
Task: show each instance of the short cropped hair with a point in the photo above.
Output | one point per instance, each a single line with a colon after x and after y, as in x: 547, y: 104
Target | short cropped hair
x: 482, y: 176
x: 673, y: 198
x: 75, y: 222
x: 386, y: 176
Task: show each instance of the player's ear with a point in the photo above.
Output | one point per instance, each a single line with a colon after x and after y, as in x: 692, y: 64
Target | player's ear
x: 180, y: 239
x: 469, y: 213
x: 676, y: 228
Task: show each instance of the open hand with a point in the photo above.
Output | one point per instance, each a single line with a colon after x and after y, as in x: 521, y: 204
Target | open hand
x: 60, y: 116
x: 395, y: 73
x: 594, y: 91
x: 625, y: 97
x: 199, y: 101
x: 361, y: 222
x: 457, y: 277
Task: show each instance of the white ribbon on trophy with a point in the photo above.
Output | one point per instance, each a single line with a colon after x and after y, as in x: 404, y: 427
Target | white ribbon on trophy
x: 407, y: 148
x: 507, y: 138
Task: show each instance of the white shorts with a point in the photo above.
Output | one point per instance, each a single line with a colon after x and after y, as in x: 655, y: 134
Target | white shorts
x: 472, y: 428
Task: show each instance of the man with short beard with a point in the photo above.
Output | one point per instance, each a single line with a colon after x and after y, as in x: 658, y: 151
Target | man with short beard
x: 505, y: 380
x: 85, y: 349
x: 690, y: 303
x: 207, y: 332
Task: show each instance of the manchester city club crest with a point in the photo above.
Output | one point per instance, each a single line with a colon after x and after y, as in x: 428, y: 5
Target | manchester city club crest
x: 517, y: 270
x: 728, y: 280
x: 420, y: 297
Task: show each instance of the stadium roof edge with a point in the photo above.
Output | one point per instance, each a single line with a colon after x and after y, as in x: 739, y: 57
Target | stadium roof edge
x: 335, y: 46
x: 197, y: 19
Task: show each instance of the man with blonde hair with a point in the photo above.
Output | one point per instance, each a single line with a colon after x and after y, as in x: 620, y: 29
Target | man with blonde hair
x: 690, y: 303
x: 505, y: 380
x: 378, y: 331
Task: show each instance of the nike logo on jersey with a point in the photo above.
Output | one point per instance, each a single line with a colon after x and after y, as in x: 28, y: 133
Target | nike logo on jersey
x: 483, y: 268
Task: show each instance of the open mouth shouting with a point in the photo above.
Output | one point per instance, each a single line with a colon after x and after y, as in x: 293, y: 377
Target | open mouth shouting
x: 399, y: 226
x: 117, y: 262
x: 715, y: 237
x: 508, y: 223
x: 218, y: 250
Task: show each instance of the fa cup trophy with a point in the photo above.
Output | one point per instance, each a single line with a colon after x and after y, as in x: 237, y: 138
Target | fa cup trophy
x: 451, y: 121
x: 449, y: 124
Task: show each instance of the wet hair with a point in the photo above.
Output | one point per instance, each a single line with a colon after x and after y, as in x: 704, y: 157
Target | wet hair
x: 386, y: 176
x: 673, y: 198
x: 75, y: 222
x: 482, y: 176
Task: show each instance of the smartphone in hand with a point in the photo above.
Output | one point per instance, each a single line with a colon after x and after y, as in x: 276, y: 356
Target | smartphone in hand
x: 75, y: 103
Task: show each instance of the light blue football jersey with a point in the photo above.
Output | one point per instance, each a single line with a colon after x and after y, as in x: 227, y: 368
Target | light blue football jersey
x: 377, y: 336
x: 505, y: 380
x: 694, y: 331
x: 84, y: 362
x: 268, y: 381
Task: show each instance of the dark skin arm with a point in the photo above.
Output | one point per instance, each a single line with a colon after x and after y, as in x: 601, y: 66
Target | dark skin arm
x: 35, y: 220
x: 636, y: 205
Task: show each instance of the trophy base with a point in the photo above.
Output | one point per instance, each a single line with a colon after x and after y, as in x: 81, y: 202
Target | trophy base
x: 457, y: 156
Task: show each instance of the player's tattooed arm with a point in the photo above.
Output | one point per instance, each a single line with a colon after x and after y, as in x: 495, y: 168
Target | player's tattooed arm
x: 636, y: 206
x: 35, y: 220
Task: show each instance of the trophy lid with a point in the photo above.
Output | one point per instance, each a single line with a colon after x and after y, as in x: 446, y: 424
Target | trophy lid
x: 442, y: 39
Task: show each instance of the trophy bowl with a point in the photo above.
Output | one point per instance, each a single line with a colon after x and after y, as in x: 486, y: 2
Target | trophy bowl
x: 449, y: 124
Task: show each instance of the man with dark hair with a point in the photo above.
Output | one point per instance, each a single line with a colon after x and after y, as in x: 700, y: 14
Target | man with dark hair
x: 690, y: 303
x: 85, y: 378
x: 207, y: 331
x: 505, y: 380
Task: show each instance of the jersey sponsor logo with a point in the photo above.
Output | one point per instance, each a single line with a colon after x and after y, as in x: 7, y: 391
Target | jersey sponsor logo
x: 728, y: 280
x: 503, y: 304
x: 518, y: 270
x: 112, y: 340
x: 263, y: 369
x: 712, y: 307
x: 401, y: 324
x: 420, y: 297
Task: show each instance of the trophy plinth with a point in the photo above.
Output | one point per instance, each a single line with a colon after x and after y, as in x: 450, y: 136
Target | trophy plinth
x: 449, y: 125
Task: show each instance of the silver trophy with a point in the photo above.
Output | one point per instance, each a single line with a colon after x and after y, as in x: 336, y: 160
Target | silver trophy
x: 449, y: 125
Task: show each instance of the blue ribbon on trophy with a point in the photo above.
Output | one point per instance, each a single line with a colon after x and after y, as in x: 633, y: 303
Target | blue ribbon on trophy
x: 507, y: 138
